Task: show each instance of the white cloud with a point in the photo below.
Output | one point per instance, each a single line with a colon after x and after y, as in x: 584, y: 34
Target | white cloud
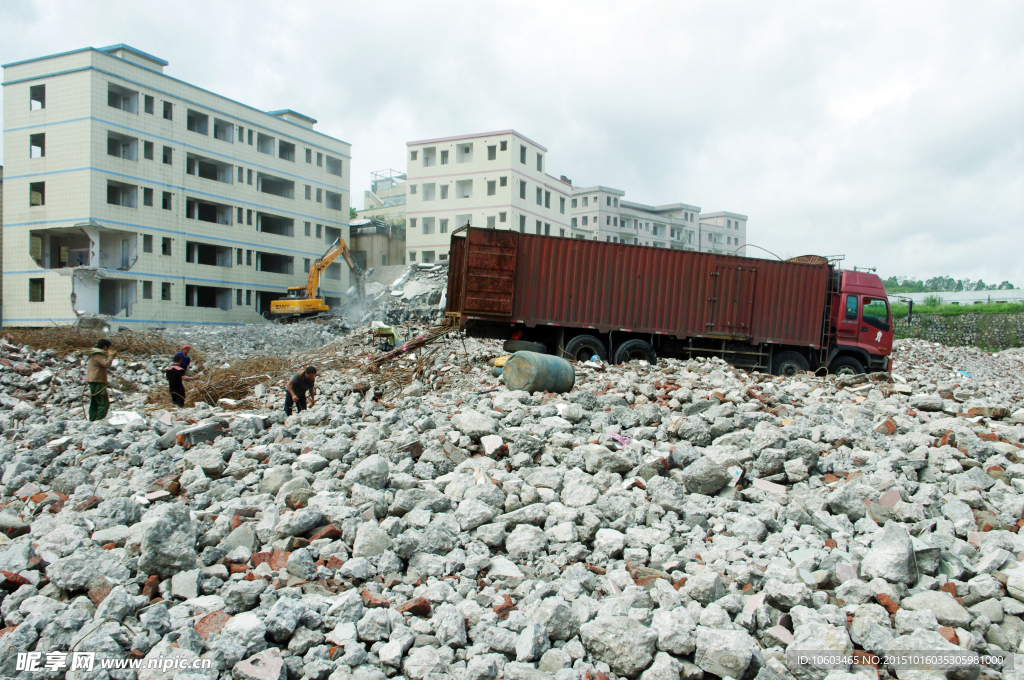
x: 886, y: 131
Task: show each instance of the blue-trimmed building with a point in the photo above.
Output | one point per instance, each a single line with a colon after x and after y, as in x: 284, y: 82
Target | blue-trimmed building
x: 132, y: 195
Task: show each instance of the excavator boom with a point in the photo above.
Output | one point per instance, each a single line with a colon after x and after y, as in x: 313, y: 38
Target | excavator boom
x: 312, y: 303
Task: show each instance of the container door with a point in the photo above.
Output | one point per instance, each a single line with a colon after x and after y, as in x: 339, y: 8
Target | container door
x: 490, y: 272
x: 731, y: 305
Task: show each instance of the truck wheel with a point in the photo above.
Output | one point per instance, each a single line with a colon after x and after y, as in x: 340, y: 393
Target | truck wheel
x: 846, y: 366
x: 512, y: 346
x: 789, y: 363
x: 633, y: 350
x: 582, y: 347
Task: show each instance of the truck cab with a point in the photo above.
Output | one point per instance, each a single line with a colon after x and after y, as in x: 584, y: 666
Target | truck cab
x: 861, y: 325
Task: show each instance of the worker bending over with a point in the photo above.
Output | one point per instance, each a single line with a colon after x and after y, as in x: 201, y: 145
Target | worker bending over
x: 101, y: 358
x: 176, y: 374
x: 297, y: 387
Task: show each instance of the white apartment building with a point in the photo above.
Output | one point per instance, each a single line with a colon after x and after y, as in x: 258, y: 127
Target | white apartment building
x: 603, y: 214
x: 724, y: 232
x: 496, y: 180
x: 136, y: 196
x: 385, y: 200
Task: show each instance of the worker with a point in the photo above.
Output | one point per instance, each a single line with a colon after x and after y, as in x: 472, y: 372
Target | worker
x: 101, y: 359
x: 176, y: 373
x: 297, y: 388
x: 184, y: 356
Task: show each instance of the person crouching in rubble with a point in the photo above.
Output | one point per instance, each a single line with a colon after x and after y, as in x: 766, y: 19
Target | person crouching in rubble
x: 101, y: 359
x: 297, y: 387
x: 176, y: 373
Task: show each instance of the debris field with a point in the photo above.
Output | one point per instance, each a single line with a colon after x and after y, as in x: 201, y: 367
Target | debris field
x: 420, y: 521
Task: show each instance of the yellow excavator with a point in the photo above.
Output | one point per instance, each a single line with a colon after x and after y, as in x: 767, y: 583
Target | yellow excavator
x: 305, y: 301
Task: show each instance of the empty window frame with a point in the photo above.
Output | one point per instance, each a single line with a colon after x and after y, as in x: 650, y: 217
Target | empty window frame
x: 463, y: 153
x: 429, y: 191
x: 522, y: 224
x: 36, y: 290
x: 205, y: 211
x: 36, y: 97
x: 547, y: 229
x: 307, y: 229
x: 165, y: 248
x: 561, y: 205
x: 238, y: 297
x: 464, y: 188
x: 265, y: 144
x: 122, y: 146
x: 492, y: 188
x: 522, y: 154
x: 238, y: 216
x: 122, y: 98
x: 540, y: 163
x: 319, y: 159
x: 332, y: 200
x: 444, y: 157
x: 502, y: 216
x: 443, y: 226
x: 309, y: 195
x: 585, y: 198
x: 248, y: 297
x: 286, y: 151
x: 147, y: 290
x: 333, y: 166
x: 147, y: 243
x: 165, y: 201
x: 168, y: 111
x: 413, y: 155
x: 148, y: 150
x: 248, y: 176
x: 492, y: 152
x: 319, y: 229
x: 539, y: 227
x: 276, y: 186
x: 248, y: 217
x: 491, y: 221
x: 165, y: 291
x: 208, y: 254
x: 241, y: 174
x: 208, y: 168
x: 540, y: 196
x: 197, y: 122
x: 429, y: 156
x: 428, y: 225
x: 319, y: 195
x: 522, y: 189
x: 238, y: 256
x: 309, y: 156
x: 223, y: 130
x: 37, y: 145
x: 547, y: 199
x: 150, y: 104
x: 168, y: 156
x: 124, y: 195
x: 444, y: 191
x: 275, y: 224
x: 574, y: 202
x: 147, y: 197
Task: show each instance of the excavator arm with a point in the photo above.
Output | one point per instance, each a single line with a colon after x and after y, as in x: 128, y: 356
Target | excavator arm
x: 338, y: 248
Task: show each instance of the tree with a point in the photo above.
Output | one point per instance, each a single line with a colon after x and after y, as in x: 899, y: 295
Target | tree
x: 353, y: 214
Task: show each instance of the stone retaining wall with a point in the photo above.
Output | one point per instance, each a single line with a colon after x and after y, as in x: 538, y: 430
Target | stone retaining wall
x: 988, y: 331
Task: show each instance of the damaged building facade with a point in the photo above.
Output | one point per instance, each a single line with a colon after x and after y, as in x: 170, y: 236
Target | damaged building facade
x: 136, y: 196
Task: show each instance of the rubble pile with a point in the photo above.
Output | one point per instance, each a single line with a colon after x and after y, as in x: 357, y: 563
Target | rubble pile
x: 668, y: 522
x: 416, y: 294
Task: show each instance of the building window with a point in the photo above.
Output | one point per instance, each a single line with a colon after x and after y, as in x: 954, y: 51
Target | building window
x: 248, y: 218
x: 443, y: 226
x: 147, y: 243
x: 540, y: 163
x: 584, y: 220
x: 122, y: 98
x: 36, y: 290
x: 309, y: 156
x: 238, y: 256
x: 168, y: 155
x: 412, y: 222
x: 561, y: 205
x: 584, y: 202
x: 319, y: 227
x: 412, y: 189
x: 165, y: 246
x: 197, y: 122
x: 615, y: 221
x: 241, y: 174
x: 319, y: 159
x: 561, y: 232
x: 503, y: 181
x: 148, y: 151
x: 238, y: 218
x: 522, y: 189
x: 36, y: 97
x: 444, y: 157
x: 547, y: 229
x: 319, y: 195
x: 539, y: 226
x: 147, y: 197
x: 147, y: 290
x: 248, y: 258
x: 615, y: 202
x: 607, y: 219
x: 248, y: 297
x: 413, y: 155
x: 522, y: 224
x: 547, y: 199
x: 309, y: 193
x: 333, y: 166
x: 332, y: 200
x: 504, y: 146
x: 305, y: 264
x: 37, y: 145
x: 522, y: 154
x: 307, y: 228
x: 728, y: 224
x: 165, y: 291
x: 490, y: 222
x: 412, y: 256
x: 491, y: 186
x: 120, y: 194
x: 502, y: 216
x: 492, y: 153
x: 540, y: 196
x: 444, y: 191
x: 248, y: 136
x: 37, y: 193
x: 168, y: 111
x: 238, y: 297
x: 165, y: 201
x: 573, y: 224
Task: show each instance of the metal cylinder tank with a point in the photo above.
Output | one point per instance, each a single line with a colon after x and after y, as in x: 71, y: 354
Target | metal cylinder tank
x: 538, y: 373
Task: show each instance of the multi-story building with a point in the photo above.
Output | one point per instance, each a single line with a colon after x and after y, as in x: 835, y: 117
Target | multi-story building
x: 1, y: 240
x: 376, y: 243
x: 385, y: 200
x: 724, y: 232
x: 136, y: 196
x: 496, y: 180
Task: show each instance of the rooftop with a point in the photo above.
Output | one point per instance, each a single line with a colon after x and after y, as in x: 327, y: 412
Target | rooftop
x: 475, y: 136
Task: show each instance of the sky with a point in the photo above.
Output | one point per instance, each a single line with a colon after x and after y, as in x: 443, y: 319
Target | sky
x: 891, y: 133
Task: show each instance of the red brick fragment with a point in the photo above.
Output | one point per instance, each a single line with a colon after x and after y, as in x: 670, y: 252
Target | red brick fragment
x: 279, y: 559
x: 417, y: 607
x: 829, y: 478
x: 259, y: 558
x: 948, y: 588
x: 887, y: 602
x: 950, y: 634
x: 329, y: 531
x: 238, y: 568
x: 830, y: 543
x: 151, y: 587
x: 334, y: 563
x: 212, y: 623
x: 99, y: 589
x: 88, y: 504
x: 504, y: 610
x: 371, y: 599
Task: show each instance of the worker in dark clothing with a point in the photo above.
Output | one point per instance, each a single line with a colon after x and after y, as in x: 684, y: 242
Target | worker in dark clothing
x: 176, y: 374
x: 101, y: 359
x: 297, y: 388
x: 185, y: 358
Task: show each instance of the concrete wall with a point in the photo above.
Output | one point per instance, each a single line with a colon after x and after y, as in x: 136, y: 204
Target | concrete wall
x: 77, y: 169
x: 988, y: 331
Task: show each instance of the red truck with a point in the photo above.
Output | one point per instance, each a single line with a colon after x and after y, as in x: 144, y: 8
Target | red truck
x: 582, y: 298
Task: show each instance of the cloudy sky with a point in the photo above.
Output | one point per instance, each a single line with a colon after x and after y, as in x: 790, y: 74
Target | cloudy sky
x: 892, y: 133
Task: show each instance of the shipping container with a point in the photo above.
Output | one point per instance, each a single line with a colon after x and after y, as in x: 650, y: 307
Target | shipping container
x: 548, y: 290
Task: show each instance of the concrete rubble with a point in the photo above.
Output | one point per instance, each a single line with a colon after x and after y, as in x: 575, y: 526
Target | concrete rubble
x: 677, y: 521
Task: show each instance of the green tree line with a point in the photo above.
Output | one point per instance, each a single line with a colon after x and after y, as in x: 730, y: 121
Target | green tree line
x: 940, y: 284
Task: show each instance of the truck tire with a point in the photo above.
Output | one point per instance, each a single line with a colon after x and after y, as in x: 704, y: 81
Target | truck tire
x: 846, y: 366
x: 512, y: 346
x: 582, y: 347
x: 634, y: 350
x: 789, y: 363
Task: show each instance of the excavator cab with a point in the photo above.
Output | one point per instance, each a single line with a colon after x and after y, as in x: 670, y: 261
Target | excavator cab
x: 296, y: 293
x: 304, y: 301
